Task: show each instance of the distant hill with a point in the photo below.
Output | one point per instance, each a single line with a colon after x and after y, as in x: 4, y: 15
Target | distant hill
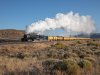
x: 15, y: 34
x: 11, y: 33
x: 93, y: 35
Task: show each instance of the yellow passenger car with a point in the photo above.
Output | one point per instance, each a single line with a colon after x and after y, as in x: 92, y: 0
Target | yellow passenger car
x: 61, y: 38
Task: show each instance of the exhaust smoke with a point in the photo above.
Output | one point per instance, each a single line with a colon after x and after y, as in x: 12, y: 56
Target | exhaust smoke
x: 70, y: 21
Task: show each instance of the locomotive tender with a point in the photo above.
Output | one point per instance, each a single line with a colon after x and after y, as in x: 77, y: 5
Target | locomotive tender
x: 33, y: 37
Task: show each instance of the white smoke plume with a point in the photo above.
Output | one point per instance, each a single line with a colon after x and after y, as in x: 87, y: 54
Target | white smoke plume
x: 70, y: 21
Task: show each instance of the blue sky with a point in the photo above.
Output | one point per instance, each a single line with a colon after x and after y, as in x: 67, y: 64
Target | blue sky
x: 19, y: 13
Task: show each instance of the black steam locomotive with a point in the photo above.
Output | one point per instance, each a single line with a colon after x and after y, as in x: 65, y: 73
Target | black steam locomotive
x: 30, y: 37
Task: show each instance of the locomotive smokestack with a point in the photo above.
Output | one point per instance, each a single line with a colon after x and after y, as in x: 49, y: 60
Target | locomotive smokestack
x: 70, y: 21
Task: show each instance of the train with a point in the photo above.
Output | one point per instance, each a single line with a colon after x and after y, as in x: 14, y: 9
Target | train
x: 29, y: 37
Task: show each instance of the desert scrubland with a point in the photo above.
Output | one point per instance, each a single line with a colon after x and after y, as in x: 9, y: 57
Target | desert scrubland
x: 74, y: 57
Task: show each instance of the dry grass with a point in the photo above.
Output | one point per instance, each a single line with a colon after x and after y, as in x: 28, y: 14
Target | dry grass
x: 23, y: 47
x: 16, y: 65
x: 28, y: 58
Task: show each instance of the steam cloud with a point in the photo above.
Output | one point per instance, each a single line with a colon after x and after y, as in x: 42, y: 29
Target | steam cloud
x: 70, y: 21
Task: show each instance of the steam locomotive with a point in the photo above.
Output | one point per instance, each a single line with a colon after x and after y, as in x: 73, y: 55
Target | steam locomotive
x: 30, y: 37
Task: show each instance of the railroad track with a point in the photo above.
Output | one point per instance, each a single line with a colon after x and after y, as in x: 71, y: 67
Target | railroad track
x: 29, y: 42
x: 19, y: 42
